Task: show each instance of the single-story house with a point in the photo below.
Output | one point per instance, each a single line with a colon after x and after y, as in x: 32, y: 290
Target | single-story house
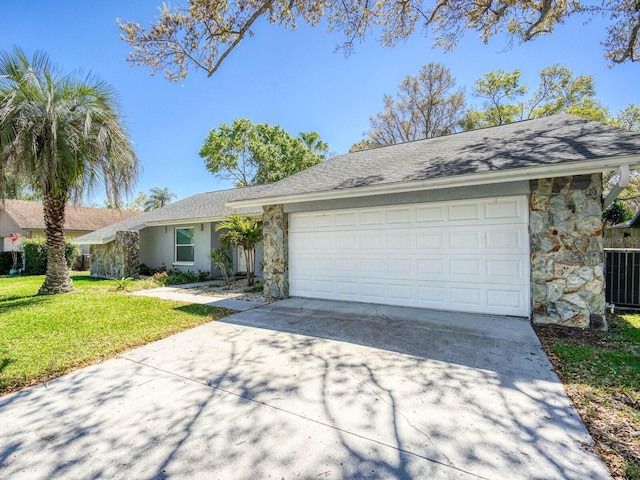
x: 178, y: 236
x: 504, y: 220
x: 27, y: 218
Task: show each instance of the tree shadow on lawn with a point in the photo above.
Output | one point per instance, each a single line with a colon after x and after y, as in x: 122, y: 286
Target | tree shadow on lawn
x: 9, y: 304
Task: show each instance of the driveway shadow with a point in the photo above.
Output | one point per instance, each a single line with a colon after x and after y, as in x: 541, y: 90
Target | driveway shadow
x: 289, y: 391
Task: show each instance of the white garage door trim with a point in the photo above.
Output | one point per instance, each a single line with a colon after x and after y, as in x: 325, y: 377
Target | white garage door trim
x: 464, y: 255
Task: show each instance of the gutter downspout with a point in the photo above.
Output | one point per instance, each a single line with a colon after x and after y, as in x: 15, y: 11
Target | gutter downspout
x: 623, y: 183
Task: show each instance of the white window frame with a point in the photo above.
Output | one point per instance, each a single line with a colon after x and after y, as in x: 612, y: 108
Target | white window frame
x: 176, y: 245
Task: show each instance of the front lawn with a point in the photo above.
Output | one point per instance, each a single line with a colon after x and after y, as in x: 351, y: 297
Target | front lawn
x: 601, y: 374
x: 42, y: 337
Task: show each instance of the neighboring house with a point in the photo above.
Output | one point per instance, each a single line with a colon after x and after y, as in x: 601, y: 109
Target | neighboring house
x: 27, y: 218
x: 505, y: 220
x: 178, y: 236
x: 623, y: 235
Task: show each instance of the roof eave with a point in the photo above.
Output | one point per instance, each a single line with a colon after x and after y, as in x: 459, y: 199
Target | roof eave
x: 510, y: 175
x: 96, y: 241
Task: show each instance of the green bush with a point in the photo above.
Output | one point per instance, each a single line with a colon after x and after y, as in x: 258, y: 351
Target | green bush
x: 35, y: 254
x: 176, y: 277
x: 6, y: 262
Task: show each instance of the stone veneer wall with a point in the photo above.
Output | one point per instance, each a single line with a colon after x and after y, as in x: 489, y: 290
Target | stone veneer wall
x: 117, y: 259
x: 567, y: 257
x: 275, y: 271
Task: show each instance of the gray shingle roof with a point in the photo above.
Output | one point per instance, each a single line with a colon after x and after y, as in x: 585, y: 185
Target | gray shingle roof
x: 532, y: 143
x: 200, y: 207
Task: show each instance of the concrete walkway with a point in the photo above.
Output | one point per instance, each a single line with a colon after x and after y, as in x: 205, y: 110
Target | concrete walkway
x: 308, y: 389
x: 176, y: 292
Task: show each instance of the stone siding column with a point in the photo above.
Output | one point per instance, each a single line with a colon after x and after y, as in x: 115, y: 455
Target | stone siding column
x: 275, y: 271
x: 567, y: 256
x: 117, y: 259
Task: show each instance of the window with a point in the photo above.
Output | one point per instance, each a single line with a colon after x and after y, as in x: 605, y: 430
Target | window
x: 185, y: 244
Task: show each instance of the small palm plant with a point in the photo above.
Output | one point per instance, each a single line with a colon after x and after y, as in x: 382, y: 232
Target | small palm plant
x: 221, y: 259
x: 245, y: 232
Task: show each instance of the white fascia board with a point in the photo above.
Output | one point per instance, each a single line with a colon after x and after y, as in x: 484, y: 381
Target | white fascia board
x: 219, y: 218
x: 510, y: 175
x: 166, y: 223
x: 96, y: 241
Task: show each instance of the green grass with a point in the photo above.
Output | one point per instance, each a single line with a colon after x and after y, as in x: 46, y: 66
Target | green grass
x: 45, y: 336
x: 601, y: 372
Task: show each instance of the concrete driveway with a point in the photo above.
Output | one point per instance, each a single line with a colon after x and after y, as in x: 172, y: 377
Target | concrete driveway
x: 308, y: 389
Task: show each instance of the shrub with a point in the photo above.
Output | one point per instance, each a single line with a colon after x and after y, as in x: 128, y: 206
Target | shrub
x: 176, y: 277
x: 6, y: 262
x: 203, y: 275
x: 160, y: 278
x: 144, y: 270
x: 35, y: 254
x: 255, y: 289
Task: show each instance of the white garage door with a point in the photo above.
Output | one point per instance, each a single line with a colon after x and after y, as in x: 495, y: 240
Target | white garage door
x: 468, y: 255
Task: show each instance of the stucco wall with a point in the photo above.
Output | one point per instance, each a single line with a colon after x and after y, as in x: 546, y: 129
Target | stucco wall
x: 567, y: 257
x: 157, y: 247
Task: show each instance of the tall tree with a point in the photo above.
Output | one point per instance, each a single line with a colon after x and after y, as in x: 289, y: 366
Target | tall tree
x: 312, y: 141
x: 158, y: 198
x: 629, y: 118
x: 17, y: 189
x: 64, y: 136
x: 252, y: 154
x: 425, y: 106
x: 559, y: 90
x: 202, y: 34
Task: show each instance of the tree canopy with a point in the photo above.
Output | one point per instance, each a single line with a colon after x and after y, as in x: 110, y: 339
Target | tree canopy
x: 203, y: 33
x: 63, y: 135
x: 425, y: 106
x: 256, y: 153
x: 505, y: 98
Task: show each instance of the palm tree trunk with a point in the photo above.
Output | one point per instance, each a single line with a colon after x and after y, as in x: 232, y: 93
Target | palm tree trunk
x: 247, y: 261
x: 57, y: 279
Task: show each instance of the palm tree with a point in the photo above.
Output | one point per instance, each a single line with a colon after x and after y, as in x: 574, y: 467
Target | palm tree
x: 312, y: 141
x: 64, y: 136
x: 159, y: 198
x: 245, y: 232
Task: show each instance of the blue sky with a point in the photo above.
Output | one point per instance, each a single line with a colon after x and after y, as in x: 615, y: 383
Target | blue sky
x: 294, y: 79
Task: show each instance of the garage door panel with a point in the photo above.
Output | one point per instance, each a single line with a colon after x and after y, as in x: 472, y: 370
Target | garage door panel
x: 432, y: 295
x: 464, y: 212
x: 506, y: 269
x: 506, y: 239
x: 346, y: 219
x: 505, y: 298
x: 430, y: 214
x: 372, y: 240
x: 345, y: 242
x: 400, y: 216
x: 465, y: 255
x: 505, y: 209
x: 465, y: 239
x: 466, y: 268
x: 429, y: 240
x: 431, y: 266
x: 372, y: 217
